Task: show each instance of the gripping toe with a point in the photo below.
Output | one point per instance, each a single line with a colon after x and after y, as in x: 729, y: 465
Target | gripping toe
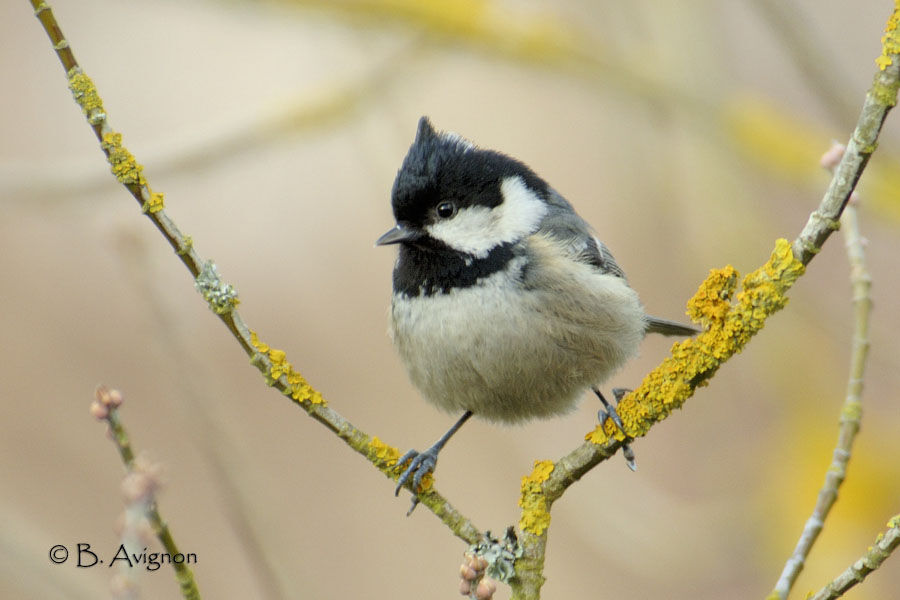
x: 420, y: 464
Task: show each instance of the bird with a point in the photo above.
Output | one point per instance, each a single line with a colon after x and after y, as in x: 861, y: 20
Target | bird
x: 505, y: 304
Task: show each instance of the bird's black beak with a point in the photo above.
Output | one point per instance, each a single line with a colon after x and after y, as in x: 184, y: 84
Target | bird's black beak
x: 398, y: 235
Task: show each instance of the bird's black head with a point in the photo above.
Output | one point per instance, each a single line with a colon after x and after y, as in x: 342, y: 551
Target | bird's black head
x: 459, y: 210
x: 449, y: 192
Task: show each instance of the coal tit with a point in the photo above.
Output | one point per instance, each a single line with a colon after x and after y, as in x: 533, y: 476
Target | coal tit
x: 505, y: 305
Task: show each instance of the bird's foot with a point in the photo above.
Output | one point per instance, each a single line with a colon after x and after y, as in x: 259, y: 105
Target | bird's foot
x: 609, y: 412
x: 420, y: 464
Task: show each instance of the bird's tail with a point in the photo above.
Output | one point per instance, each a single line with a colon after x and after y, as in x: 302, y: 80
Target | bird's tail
x: 665, y: 327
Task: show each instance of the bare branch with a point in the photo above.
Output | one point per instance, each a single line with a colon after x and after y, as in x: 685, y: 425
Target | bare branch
x: 885, y: 544
x: 106, y: 408
x: 851, y: 411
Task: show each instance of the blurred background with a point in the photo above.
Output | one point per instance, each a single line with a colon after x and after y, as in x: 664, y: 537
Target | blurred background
x: 687, y: 133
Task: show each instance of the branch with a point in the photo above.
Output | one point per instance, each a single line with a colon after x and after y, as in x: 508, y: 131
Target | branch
x: 885, y: 544
x: 497, y: 27
x: 851, y: 411
x: 729, y: 326
x: 222, y: 297
x: 106, y: 408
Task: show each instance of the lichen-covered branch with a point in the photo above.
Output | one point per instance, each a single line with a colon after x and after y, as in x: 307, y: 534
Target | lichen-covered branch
x: 221, y: 296
x: 731, y: 315
x: 880, y: 99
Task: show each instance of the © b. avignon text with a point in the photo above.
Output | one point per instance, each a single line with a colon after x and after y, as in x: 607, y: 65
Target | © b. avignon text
x: 85, y: 557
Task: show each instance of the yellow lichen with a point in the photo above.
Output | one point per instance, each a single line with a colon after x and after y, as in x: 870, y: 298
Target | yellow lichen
x: 186, y: 245
x: 851, y: 411
x: 890, y: 42
x: 729, y: 327
x: 154, y: 204
x: 301, y: 391
x: 535, y: 512
x: 383, y: 455
x: 297, y: 386
x: 257, y: 343
x: 427, y: 483
x: 124, y: 166
x: 84, y: 92
x: 712, y: 301
x: 280, y: 365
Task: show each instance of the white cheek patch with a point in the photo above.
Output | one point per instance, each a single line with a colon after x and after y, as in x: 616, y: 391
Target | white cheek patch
x: 521, y: 212
x: 477, y: 230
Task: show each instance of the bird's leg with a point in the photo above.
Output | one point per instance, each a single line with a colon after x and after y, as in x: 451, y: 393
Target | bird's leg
x: 424, y: 462
x: 609, y: 412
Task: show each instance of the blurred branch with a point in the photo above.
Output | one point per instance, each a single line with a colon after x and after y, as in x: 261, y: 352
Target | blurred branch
x: 812, y: 57
x: 547, y: 40
x: 535, y: 39
x: 214, y: 440
x: 302, y: 113
x: 885, y: 544
x: 851, y: 411
x: 106, y: 408
x: 773, y: 138
x: 222, y: 297
x: 531, y: 38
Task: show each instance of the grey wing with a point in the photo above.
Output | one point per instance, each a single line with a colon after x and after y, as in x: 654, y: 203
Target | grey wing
x: 606, y: 262
x: 563, y: 223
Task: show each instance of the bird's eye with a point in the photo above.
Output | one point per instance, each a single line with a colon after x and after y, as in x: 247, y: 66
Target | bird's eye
x: 445, y: 210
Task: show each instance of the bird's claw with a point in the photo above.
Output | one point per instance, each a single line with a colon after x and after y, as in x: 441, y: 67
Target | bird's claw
x: 619, y: 393
x: 420, y: 464
x: 609, y: 412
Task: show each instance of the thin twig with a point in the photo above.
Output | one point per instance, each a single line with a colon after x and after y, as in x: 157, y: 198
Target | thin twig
x: 885, y: 544
x: 851, y: 411
x: 105, y: 408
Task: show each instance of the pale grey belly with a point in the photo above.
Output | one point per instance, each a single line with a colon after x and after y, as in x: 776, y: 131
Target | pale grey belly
x: 514, y: 356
